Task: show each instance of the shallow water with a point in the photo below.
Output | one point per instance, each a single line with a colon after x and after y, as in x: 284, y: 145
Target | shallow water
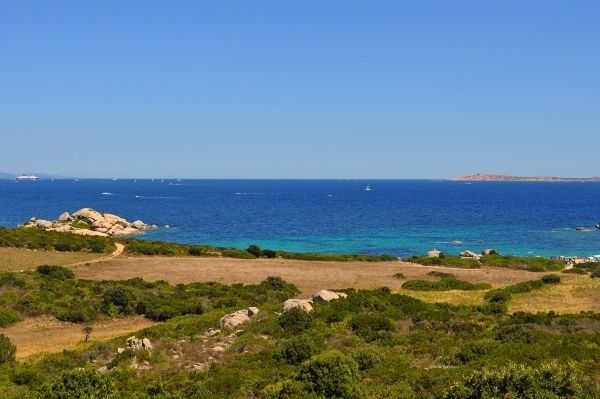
x: 400, y: 217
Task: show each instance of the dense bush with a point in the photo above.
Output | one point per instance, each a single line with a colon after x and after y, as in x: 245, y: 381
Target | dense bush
x: 332, y: 375
x: 8, y: 317
x: 400, y: 275
x: 117, y: 300
x: 548, y: 380
x: 12, y: 280
x: 254, y: 250
x: 295, y: 321
x: 7, y: 350
x: 269, y: 253
x: 575, y: 270
x: 336, y: 257
x: 296, y: 349
x: 445, y: 284
x: 57, y: 272
x: 551, y: 279
x: 474, y: 350
x: 34, y: 238
x: 595, y: 273
x: 80, y: 385
x: 372, y: 326
x: 366, y: 357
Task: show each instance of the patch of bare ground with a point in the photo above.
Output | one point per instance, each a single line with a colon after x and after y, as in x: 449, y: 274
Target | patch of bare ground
x: 16, y: 259
x: 309, y: 276
x: 47, y: 335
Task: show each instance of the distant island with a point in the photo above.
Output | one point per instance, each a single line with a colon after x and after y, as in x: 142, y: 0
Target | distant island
x: 495, y: 177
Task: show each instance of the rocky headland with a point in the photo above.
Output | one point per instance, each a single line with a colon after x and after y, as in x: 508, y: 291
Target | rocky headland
x: 497, y: 177
x: 88, y: 221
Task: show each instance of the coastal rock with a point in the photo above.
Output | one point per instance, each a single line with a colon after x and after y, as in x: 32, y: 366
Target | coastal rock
x: 488, y: 252
x: 65, y: 217
x: 325, y: 295
x: 303, y: 304
x: 434, y: 253
x: 90, y: 222
x: 469, y: 254
x: 235, y: 319
x: 138, y: 344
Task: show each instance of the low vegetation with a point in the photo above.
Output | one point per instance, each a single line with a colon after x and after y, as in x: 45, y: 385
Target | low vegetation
x: 372, y: 344
x: 53, y: 290
x: 445, y: 284
x: 533, y: 264
x: 143, y: 247
x: 32, y: 238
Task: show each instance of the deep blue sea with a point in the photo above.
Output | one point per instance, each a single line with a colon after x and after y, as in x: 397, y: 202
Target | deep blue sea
x: 400, y: 217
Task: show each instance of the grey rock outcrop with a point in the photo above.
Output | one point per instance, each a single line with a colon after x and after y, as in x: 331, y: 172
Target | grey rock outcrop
x: 88, y: 221
x: 235, y: 319
x: 325, y: 295
x: 303, y: 304
x: 137, y: 344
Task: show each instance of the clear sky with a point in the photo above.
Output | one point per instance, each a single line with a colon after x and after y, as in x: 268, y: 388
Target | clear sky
x: 303, y: 89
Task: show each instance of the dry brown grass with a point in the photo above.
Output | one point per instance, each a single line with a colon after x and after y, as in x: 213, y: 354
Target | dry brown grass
x: 309, y: 276
x: 574, y: 294
x: 46, y: 334
x: 15, y: 259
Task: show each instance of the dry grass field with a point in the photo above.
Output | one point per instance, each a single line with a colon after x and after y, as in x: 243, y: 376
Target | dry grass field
x: 15, y: 259
x: 574, y: 294
x: 46, y: 334
x: 309, y: 276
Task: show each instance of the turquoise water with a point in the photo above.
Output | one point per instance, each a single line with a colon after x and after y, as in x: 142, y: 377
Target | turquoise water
x: 400, y: 217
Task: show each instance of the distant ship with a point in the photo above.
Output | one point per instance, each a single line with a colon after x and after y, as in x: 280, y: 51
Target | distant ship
x: 368, y: 188
x: 26, y: 177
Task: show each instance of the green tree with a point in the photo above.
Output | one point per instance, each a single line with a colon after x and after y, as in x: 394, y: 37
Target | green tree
x: 254, y: 250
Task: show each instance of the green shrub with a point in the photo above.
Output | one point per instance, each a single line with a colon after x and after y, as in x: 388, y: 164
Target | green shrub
x: 117, y: 300
x: 10, y: 279
x: 551, y: 279
x: 400, y: 275
x: 7, y: 350
x: 513, y: 333
x: 595, y: 273
x: 366, y: 357
x: 332, y: 375
x: 81, y: 385
x: 161, y: 309
x: 435, y: 273
x: 254, y: 249
x: 295, y: 321
x: 445, y: 284
x: 549, y: 380
x: 57, y: 272
x: 474, y: 350
x: 237, y: 253
x: 8, y: 317
x: 33, y: 238
x: 372, y: 326
x: 296, y: 350
x: 575, y: 270
x: 268, y: 253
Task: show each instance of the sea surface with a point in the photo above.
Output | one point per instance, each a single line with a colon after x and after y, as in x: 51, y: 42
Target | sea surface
x: 398, y: 217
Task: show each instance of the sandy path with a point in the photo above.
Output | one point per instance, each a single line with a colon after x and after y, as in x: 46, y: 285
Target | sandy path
x: 46, y: 334
x: 118, y: 251
x: 309, y: 276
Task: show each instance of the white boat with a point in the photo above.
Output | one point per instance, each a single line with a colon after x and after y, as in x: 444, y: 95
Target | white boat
x: 26, y: 177
x: 368, y: 188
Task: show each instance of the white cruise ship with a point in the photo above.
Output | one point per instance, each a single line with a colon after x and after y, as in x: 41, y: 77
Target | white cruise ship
x: 26, y: 177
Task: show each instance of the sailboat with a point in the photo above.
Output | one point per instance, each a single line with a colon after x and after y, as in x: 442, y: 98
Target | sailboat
x: 368, y: 188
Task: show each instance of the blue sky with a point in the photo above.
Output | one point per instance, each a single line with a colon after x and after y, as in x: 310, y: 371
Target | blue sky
x: 311, y: 89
